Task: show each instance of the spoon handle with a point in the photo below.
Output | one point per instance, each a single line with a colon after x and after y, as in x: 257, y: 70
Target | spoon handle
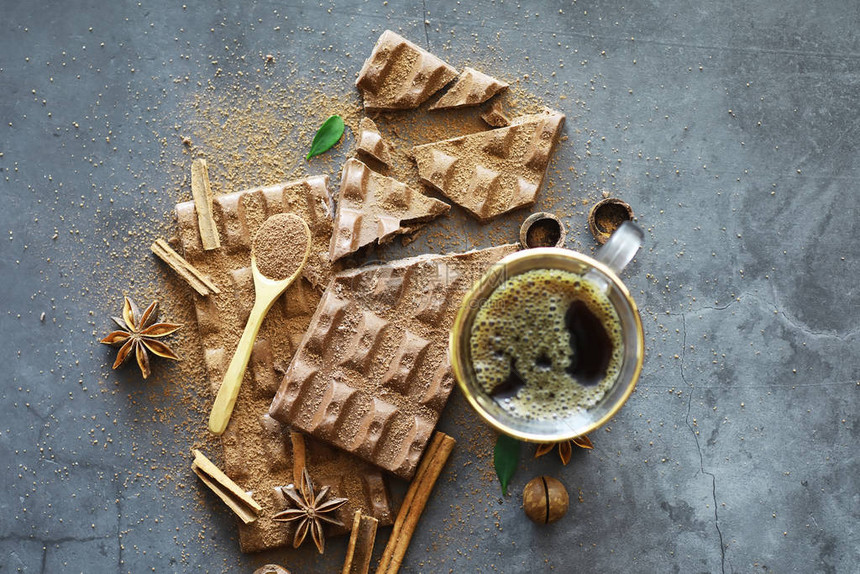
x: 226, y: 398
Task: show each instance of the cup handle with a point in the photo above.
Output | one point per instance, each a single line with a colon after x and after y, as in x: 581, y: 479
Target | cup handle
x: 619, y: 250
x: 621, y: 247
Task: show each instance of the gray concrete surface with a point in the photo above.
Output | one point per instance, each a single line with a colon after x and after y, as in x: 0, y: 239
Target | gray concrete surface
x: 729, y: 127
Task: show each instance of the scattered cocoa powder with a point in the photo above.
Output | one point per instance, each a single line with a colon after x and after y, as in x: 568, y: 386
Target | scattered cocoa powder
x: 254, y: 137
x: 280, y: 246
x: 253, y: 123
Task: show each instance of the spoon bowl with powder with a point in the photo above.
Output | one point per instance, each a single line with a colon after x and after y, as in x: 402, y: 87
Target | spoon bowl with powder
x: 278, y: 256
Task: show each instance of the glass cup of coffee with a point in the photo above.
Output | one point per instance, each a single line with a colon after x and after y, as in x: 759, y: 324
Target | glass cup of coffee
x: 548, y: 344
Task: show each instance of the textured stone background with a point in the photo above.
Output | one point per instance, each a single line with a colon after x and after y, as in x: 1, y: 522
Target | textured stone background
x: 730, y: 130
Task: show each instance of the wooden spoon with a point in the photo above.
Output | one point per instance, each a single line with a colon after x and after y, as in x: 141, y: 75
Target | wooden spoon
x: 281, y: 248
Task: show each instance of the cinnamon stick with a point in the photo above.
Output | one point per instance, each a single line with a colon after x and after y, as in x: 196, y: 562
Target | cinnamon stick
x: 233, y: 496
x: 202, y: 193
x: 413, y: 504
x: 183, y: 268
x: 360, y: 548
x: 299, y: 458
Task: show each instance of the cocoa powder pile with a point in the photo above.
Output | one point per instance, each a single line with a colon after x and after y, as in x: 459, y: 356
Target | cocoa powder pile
x: 280, y: 246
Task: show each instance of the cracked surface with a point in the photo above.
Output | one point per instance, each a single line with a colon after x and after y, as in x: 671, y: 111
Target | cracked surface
x: 693, y: 428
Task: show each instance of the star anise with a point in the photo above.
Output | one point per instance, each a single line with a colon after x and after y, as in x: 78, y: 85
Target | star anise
x: 565, y: 448
x: 139, y: 334
x: 310, y: 511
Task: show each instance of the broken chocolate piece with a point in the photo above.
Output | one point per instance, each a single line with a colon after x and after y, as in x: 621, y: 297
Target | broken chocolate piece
x: 495, y: 116
x: 471, y: 88
x: 371, y: 375
x: 371, y: 144
x: 492, y: 172
x: 258, y: 450
x: 374, y: 208
x: 400, y: 75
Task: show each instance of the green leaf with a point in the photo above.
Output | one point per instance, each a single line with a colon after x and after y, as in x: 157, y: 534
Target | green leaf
x: 328, y: 135
x: 506, y: 458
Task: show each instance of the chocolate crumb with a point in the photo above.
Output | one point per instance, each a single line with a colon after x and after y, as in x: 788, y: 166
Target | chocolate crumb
x: 495, y: 116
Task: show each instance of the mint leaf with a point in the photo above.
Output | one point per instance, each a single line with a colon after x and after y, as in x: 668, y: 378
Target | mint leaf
x: 506, y: 458
x: 328, y: 135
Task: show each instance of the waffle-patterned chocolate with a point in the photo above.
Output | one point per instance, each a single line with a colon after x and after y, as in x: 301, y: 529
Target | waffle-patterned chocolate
x: 400, y: 75
x: 257, y: 450
x: 492, y: 172
x: 471, y: 88
x: 371, y: 144
x: 371, y: 375
x: 374, y: 208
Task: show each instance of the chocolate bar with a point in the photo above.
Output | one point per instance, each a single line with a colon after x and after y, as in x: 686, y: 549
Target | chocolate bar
x: 257, y: 449
x: 371, y: 144
x: 492, y: 172
x: 371, y: 375
x: 400, y: 75
x: 374, y: 208
x: 471, y: 88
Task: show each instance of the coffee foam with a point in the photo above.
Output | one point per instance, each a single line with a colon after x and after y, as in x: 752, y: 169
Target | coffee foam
x: 523, y: 321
